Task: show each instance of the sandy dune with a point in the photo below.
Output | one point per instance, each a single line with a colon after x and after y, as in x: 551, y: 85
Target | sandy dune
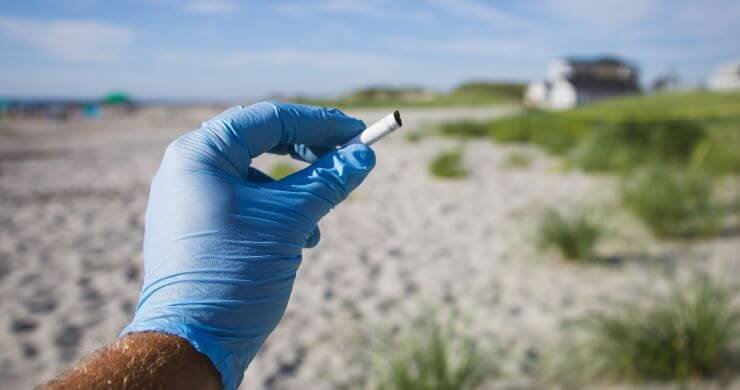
x: 72, y: 200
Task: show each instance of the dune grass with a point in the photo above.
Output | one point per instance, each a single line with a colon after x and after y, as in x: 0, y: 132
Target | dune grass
x: 517, y: 160
x: 672, y: 202
x: 464, y: 129
x: 657, y: 143
x: 625, y: 145
x: 414, y: 136
x: 690, y: 334
x: 574, y: 235
x: 282, y: 169
x: 466, y: 94
x: 433, y: 356
x: 623, y: 134
x: 449, y: 165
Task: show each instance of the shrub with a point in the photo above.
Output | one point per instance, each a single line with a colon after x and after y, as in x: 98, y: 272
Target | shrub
x: 624, y: 145
x: 689, y: 334
x: 556, y: 133
x: 281, y: 169
x: 518, y: 160
x: 380, y: 93
x: 672, y: 202
x: 449, y: 165
x: 464, y: 129
x: 414, y: 136
x: 433, y: 357
x: 625, y: 133
x: 718, y: 153
x: 575, y: 236
x: 511, y: 130
x: 475, y: 88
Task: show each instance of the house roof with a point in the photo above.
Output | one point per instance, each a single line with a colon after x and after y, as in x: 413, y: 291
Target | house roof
x: 588, y: 82
x: 600, y: 60
x: 604, y: 74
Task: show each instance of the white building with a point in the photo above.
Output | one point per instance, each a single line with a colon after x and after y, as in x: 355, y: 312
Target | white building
x: 726, y: 77
x: 575, y: 81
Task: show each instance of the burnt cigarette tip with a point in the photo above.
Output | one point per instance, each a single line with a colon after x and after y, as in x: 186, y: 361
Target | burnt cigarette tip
x: 397, y: 117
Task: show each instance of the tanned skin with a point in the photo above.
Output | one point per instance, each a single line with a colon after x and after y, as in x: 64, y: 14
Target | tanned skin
x: 147, y: 360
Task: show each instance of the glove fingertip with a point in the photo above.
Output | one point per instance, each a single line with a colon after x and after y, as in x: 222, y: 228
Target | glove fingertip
x: 314, y: 239
x: 352, y: 124
x: 359, y: 156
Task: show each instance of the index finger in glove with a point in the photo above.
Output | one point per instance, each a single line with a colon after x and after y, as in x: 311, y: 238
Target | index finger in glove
x: 267, y: 125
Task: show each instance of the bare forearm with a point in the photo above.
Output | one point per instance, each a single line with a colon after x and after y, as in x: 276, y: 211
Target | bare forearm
x: 142, y: 361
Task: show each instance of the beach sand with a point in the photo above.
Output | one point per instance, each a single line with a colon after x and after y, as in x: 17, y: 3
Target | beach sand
x: 72, y: 200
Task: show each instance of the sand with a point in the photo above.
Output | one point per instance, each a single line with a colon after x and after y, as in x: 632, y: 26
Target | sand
x: 72, y: 198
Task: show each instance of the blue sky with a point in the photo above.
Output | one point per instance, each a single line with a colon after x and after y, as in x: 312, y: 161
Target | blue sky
x: 227, y: 49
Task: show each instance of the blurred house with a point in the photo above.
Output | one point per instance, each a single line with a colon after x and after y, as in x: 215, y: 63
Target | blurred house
x: 575, y: 81
x: 726, y: 77
x: 667, y: 81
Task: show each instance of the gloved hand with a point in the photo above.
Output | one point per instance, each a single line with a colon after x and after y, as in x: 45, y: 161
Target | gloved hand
x: 223, y: 241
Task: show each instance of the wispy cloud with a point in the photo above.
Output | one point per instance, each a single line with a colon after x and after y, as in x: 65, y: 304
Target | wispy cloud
x: 367, y: 8
x: 479, y: 11
x: 604, y: 13
x: 69, y: 40
x: 211, y: 7
x: 372, y: 8
x: 283, y: 57
x: 323, y: 59
x: 473, y: 46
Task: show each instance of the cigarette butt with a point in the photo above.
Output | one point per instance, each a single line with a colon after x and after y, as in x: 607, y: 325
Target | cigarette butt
x: 378, y: 130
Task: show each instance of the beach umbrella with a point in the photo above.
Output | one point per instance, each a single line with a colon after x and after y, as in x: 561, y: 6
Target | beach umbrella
x: 118, y: 99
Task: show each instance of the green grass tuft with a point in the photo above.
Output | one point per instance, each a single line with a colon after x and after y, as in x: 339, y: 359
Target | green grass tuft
x: 624, y: 145
x: 467, y: 94
x: 414, y: 136
x: 623, y: 134
x: 281, y: 169
x: 433, y: 357
x: 464, y: 129
x: 575, y: 235
x: 690, y: 334
x: 449, y: 165
x: 673, y: 203
x: 518, y: 160
x: 514, y: 91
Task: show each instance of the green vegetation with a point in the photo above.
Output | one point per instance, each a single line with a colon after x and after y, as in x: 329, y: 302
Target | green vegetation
x: 281, y: 169
x: 449, y: 165
x: 413, y: 136
x: 575, y: 236
x: 518, y: 160
x: 669, y: 148
x: 485, y: 88
x: 692, y: 333
x: 464, y: 129
x: 433, y: 357
x: 623, y: 134
x: 624, y: 145
x: 471, y: 93
x: 672, y: 202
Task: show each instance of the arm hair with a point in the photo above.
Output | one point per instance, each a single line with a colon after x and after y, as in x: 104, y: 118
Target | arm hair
x: 148, y: 360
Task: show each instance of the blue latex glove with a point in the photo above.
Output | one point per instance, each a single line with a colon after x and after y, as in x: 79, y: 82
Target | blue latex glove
x: 223, y: 241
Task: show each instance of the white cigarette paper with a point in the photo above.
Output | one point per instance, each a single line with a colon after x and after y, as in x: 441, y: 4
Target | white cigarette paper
x: 378, y: 130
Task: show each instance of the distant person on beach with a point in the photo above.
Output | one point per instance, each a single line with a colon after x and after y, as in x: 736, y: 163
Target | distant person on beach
x: 223, y: 243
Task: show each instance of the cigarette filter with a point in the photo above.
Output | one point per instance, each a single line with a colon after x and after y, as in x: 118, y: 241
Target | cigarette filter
x: 378, y: 130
